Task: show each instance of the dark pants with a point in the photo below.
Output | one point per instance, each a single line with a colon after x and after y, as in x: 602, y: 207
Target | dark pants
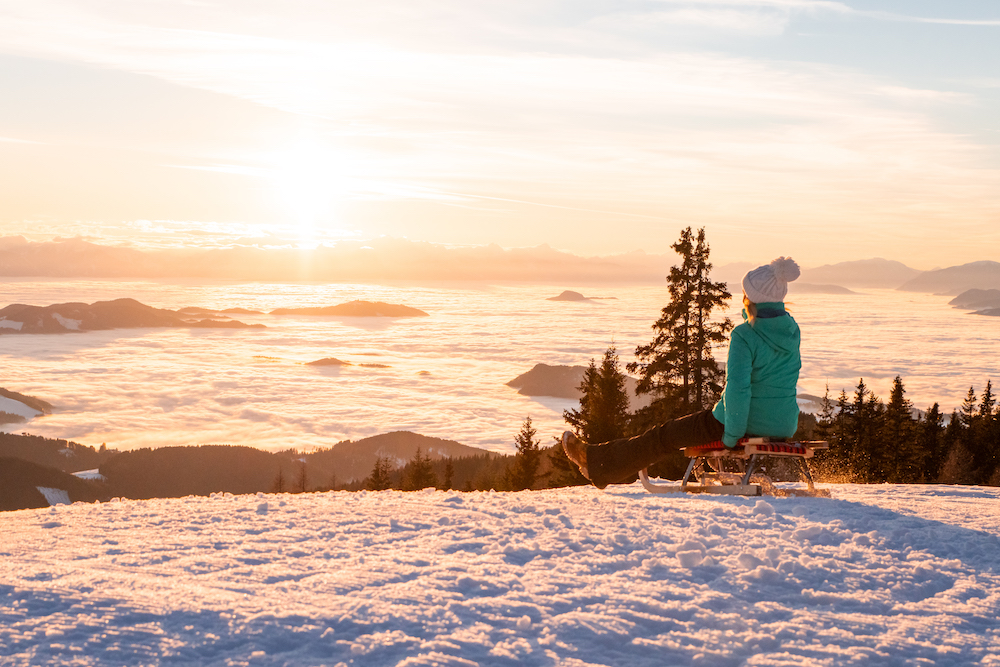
x: 618, y: 460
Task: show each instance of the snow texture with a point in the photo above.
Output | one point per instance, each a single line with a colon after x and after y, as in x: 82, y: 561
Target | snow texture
x: 879, y: 575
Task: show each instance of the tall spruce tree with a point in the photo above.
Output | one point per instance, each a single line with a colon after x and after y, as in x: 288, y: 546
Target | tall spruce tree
x: 987, y: 402
x: 866, y: 460
x: 449, y: 474
x: 379, y: 479
x: 678, y: 367
x: 603, y: 414
x: 990, y: 426
x: 278, y: 485
x: 301, y: 478
x: 841, y: 433
x: 898, y: 438
x: 419, y: 473
x: 524, y: 469
x: 969, y: 411
x: 958, y: 467
x: 979, y: 438
x: 932, y: 444
x: 825, y: 418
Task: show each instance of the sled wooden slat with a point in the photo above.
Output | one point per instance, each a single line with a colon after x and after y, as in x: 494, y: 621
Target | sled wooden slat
x: 726, y: 489
x: 746, y: 456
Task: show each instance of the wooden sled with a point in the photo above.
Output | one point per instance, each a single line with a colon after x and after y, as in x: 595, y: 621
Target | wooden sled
x: 709, y: 463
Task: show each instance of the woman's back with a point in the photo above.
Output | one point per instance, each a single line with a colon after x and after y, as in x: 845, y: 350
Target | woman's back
x: 761, y: 376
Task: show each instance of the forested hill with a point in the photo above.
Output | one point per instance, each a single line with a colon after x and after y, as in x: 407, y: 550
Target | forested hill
x: 54, y: 453
x: 353, y: 460
x: 170, y: 472
x: 22, y: 484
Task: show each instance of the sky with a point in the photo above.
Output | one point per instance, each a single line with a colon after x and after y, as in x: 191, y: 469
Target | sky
x: 825, y: 130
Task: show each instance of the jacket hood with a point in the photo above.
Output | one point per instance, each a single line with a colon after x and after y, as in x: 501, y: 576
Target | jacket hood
x: 779, y: 333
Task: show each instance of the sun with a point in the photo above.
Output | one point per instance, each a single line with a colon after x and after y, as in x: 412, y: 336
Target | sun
x: 311, y: 181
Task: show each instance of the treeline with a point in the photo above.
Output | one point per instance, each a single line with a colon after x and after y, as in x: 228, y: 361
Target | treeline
x: 53, y: 452
x: 530, y: 467
x: 872, y: 441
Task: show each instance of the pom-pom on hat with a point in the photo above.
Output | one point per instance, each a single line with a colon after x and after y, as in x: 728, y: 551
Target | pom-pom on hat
x: 770, y: 282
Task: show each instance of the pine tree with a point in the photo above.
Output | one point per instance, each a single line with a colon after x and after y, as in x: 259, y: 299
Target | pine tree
x: 931, y: 443
x: 278, y: 485
x: 860, y: 443
x: 379, y: 479
x: 419, y: 473
x: 990, y: 420
x: 603, y: 413
x: 987, y: 402
x: 898, y: 437
x: 524, y: 469
x: 968, y: 411
x: 301, y: 479
x: 980, y: 437
x: 957, y: 467
x: 841, y: 431
x: 825, y: 419
x: 678, y: 367
x: 449, y: 474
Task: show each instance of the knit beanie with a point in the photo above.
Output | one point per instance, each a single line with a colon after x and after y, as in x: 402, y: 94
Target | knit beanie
x: 770, y: 282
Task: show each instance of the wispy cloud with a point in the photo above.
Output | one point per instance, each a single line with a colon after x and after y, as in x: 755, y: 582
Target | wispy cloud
x: 12, y: 140
x: 504, y: 105
x: 764, y: 16
x: 993, y: 23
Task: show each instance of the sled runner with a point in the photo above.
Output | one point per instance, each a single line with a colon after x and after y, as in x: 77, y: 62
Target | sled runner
x: 707, y: 472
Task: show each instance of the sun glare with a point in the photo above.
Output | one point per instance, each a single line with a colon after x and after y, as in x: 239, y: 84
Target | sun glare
x: 311, y: 182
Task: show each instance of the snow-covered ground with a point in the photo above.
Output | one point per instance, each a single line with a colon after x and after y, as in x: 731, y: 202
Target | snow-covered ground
x: 879, y: 575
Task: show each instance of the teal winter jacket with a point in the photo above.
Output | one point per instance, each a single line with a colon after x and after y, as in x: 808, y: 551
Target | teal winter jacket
x: 761, y: 373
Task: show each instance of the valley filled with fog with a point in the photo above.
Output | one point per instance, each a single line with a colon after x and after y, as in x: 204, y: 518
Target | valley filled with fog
x: 443, y: 375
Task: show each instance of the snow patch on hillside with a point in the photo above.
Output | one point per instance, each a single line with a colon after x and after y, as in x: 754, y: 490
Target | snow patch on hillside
x: 11, y: 406
x: 54, y: 496
x: 66, y: 322
x: 879, y: 575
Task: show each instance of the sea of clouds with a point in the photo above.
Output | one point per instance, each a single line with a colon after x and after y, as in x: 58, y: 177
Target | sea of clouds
x: 442, y: 375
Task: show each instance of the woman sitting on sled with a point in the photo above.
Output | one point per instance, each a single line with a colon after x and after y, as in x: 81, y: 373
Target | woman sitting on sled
x: 759, y: 399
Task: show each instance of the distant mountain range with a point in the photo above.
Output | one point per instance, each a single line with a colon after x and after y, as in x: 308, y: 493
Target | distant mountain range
x: 401, y: 259
x: 877, y: 272
x: 798, y: 287
x: 889, y: 274
x: 955, y: 279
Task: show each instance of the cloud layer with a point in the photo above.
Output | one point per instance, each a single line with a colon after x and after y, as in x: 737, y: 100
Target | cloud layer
x: 444, y: 375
